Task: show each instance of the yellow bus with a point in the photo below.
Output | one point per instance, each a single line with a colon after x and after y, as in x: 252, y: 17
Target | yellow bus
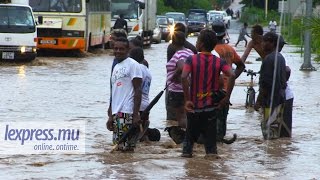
x: 72, y: 24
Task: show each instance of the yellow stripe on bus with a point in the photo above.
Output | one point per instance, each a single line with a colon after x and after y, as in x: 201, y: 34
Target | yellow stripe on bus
x: 72, y: 21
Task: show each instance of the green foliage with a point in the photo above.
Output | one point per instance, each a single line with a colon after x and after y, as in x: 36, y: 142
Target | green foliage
x: 184, y: 5
x: 255, y: 15
x: 294, y: 31
x: 272, y: 4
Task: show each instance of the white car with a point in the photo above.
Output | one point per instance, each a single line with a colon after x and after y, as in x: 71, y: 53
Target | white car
x: 226, y: 18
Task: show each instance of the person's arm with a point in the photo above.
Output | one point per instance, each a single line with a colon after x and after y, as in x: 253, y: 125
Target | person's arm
x: 240, y: 65
x: 189, y: 106
x: 247, y: 51
x: 227, y: 71
x: 177, y: 73
x: 126, y: 26
x: 136, y: 82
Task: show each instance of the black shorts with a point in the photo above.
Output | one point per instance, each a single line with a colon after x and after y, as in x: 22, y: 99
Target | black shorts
x: 175, y: 99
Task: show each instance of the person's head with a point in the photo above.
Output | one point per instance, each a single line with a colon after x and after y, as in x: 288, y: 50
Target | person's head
x: 178, y: 39
x: 121, y: 48
x: 256, y: 31
x: 116, y: 34
x: 270, y: 40
x: 136, y: 42
x: 137, y: 54
x: 245, y: 25
x: 121, y: 16
x: 220, y: 29
x: 207, y: 40
x: 180, y: 27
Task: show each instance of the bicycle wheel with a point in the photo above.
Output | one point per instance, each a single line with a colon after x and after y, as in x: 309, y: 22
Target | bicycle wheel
x: 251, y: 97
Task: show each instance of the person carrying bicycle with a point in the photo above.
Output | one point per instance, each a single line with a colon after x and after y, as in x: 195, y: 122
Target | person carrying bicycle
x: 227, y: 53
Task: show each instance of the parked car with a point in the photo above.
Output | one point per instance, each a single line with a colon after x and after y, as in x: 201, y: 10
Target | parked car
x: 164, y: 25
x: 157, y: 33
x: 197, y: 20
x: 177, y: 16
x: 226, y: 18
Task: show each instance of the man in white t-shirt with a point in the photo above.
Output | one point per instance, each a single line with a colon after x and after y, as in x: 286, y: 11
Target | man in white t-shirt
x: 273, y: 26
x: 126, y: 82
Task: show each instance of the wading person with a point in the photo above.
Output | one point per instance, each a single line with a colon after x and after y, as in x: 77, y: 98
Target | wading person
x: 255, y: 43
x: 204, y: 70
x: 227, y: 53
x: 272, y: 85
x: 126, y: 83
x: 242, y: 35
x: 174, y: 70
x: 286, y: 130
x: 171, y: 50
x: 137, y: 54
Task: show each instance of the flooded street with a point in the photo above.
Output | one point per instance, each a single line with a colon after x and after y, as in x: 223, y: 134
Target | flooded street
x: 60, y: 89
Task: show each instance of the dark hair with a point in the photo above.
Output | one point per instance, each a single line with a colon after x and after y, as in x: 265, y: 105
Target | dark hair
x: 137, y: 41
x: 122, y: 39
x: 118, y: 34
x: 180, y: 27
x: 121, y: 15
x: 245, y: 24
x: 137, y: 54
x: 257, y: 29
x: 208, y: 38
x: 271, y: 37
x: 178, y: 38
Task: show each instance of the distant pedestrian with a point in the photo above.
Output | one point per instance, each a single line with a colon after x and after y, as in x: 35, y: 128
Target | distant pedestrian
x: 200, y: 93
x: 242, y: 35
x: 273, y: 26
x: 138, y: 42
x: 121, y: 23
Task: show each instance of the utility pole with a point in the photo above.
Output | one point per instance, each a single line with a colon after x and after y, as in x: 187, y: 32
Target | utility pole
x: 306, y: 66
x: 266, y: 9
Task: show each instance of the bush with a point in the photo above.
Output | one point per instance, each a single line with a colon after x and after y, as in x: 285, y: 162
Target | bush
x: 255, y: 15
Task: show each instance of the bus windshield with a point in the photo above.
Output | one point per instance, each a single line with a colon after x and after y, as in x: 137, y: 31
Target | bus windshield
x: 70, y: 6
x: 15, y: 19
x: 128, y: 8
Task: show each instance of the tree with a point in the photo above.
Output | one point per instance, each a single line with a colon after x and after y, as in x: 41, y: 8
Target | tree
x: 272, y: 4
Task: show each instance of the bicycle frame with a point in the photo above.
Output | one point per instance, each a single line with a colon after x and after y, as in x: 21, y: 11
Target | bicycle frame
x: 251, y: 93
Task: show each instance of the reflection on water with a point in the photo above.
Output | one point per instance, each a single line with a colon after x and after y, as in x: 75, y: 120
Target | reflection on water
x: 68, y: 89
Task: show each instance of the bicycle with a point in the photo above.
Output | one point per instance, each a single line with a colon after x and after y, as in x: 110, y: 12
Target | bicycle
x: 251, y: 93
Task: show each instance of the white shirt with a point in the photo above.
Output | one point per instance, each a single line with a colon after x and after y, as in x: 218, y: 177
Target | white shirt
x: 214, y: 52
x: 272, y: 24
x: 146, y: 82
x: 122, y: 88
x: 289, y: 92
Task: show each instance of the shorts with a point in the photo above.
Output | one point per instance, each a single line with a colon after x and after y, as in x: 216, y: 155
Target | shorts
x: 272, y: 124
x: 122, y: 122
x: 175, y: 99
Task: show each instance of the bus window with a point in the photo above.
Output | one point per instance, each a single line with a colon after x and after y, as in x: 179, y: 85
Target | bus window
x: 72, y: 6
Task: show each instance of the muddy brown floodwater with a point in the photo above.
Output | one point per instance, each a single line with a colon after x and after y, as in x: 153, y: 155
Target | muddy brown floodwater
x: 68, y: 89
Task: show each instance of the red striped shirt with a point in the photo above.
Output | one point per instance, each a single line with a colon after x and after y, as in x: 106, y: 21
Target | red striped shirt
x: 205, y: 71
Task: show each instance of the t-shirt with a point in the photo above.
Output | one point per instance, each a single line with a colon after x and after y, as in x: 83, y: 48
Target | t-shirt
x: 171, y: 49
x: 146, y: 82
x: 171, y: 67
x: 122, y: 93
x: 205, y: 72
x: 267, y: 77
x: 227, y: 53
